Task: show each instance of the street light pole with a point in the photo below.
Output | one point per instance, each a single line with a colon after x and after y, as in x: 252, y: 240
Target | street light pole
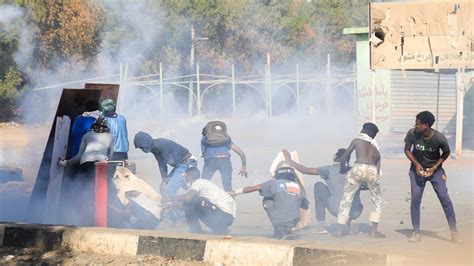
x: 191, y: 61
x: 191, y: 79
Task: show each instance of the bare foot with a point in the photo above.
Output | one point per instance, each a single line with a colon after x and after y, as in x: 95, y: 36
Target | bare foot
x: 338, y: 233
x: 377, y: 235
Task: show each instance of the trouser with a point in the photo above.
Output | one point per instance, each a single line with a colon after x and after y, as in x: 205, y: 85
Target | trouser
x: 221, y: 164
x: 322, y: 196
x: 176, y: 179
x: 146, y: 220
x: 280, y: 226
x: 200, y: 209
x: 439, y: 185
x: 359, y: 174
x: 119, y: 156
x: 78, y: 206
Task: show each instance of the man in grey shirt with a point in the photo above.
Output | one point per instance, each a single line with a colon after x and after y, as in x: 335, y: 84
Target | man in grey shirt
x: 282, y: 199
x: 328, y: 196
x: 97, y: 145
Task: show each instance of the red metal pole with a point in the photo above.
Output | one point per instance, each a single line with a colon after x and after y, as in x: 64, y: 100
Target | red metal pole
x: 101, y: 172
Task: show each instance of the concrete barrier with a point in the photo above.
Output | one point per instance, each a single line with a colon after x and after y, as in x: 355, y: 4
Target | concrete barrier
x: 180, y: 246
x: 97, y: 240
x: 248, y: 251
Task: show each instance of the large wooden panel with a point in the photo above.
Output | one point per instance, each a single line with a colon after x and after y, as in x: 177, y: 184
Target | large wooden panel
x: 109, y: 91
x: 71, y: 104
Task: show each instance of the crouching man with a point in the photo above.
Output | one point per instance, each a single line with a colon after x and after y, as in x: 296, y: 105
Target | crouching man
x: 204, y: 202
x: 282, y: 199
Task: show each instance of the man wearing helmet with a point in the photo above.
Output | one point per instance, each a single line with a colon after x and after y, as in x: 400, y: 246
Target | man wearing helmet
x: 282, y: 199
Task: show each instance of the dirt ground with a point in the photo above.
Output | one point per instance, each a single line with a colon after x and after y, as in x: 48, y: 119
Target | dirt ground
x: 30, y: 256
x: 261, y: 138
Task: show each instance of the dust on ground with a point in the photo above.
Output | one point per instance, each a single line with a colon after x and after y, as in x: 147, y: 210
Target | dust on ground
x: 32, y: 256
x: 316, y: 140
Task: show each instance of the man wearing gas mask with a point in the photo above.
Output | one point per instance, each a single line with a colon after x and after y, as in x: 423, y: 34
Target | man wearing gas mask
x: 282, y: 199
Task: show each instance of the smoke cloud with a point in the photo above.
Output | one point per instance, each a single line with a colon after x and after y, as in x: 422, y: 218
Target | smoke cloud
x: 258, y: 135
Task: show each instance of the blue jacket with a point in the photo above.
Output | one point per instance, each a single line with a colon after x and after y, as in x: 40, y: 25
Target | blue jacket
x: 81, y: 125
x: 118, y: 128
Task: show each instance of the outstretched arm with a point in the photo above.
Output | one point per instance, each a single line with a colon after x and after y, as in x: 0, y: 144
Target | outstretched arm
x: 301, y: 168
x: 348, y: 152
x: 246, y: 190
x: 243, y: 170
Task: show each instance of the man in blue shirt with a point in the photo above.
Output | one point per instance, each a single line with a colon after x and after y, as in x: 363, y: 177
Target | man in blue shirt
x: 82, y: 124
x: 218, y: 159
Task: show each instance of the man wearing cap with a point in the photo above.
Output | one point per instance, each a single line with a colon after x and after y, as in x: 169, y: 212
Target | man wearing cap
x: 366, y: 168
x: 282, y: 199
x: 118, y: 128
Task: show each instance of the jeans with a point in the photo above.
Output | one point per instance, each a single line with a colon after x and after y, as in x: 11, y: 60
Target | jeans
x: 322, y: 196
x: 221, y: 164
x: 200, y: 209
x: 175, y: 178
x: 439, y: 185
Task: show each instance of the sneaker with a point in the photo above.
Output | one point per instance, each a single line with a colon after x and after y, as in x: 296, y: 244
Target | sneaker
x: 456, y: 238
x: 320, y: 228
x: 415, y: 237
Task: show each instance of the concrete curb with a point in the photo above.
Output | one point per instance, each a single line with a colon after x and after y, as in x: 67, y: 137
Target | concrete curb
x: 179, y: 246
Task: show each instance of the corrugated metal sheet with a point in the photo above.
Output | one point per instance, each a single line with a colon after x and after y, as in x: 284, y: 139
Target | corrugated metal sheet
x: 415, y: 92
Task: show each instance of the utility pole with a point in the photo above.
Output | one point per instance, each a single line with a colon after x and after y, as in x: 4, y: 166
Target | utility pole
x: 328, y: 84
x: 191, y: 79
x: 191, y: 61
x: 269, y: 76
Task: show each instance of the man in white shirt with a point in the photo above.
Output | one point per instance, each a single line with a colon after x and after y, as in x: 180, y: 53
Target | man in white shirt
x: 205, y: 202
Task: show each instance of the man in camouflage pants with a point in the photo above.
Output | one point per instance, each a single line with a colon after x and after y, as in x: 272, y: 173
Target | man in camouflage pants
x: 365, y: 169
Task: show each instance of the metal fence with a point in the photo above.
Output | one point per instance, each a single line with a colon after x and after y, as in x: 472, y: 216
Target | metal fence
x: 301, y: 85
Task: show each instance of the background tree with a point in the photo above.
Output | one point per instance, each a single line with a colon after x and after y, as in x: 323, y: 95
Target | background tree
x: 83, y: 38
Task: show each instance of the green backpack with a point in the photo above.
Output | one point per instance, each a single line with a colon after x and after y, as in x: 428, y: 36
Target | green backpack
x: 215, y: 134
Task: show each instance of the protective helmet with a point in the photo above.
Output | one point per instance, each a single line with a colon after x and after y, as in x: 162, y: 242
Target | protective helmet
x: 285, y: 171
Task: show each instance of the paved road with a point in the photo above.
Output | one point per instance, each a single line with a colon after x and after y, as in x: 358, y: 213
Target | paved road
x: 315, y: 140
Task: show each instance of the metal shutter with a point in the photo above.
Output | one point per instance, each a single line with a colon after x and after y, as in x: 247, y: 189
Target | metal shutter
x: 416, y: 92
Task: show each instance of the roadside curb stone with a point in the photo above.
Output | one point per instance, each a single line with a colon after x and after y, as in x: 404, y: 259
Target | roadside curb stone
x: 178, y: 246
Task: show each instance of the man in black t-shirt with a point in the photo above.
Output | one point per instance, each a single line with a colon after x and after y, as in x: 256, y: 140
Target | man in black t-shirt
x: 426, y: 166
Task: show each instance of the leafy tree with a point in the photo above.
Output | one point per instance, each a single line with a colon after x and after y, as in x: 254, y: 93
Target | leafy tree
x: 10, y: 92
x: 68, y: 32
